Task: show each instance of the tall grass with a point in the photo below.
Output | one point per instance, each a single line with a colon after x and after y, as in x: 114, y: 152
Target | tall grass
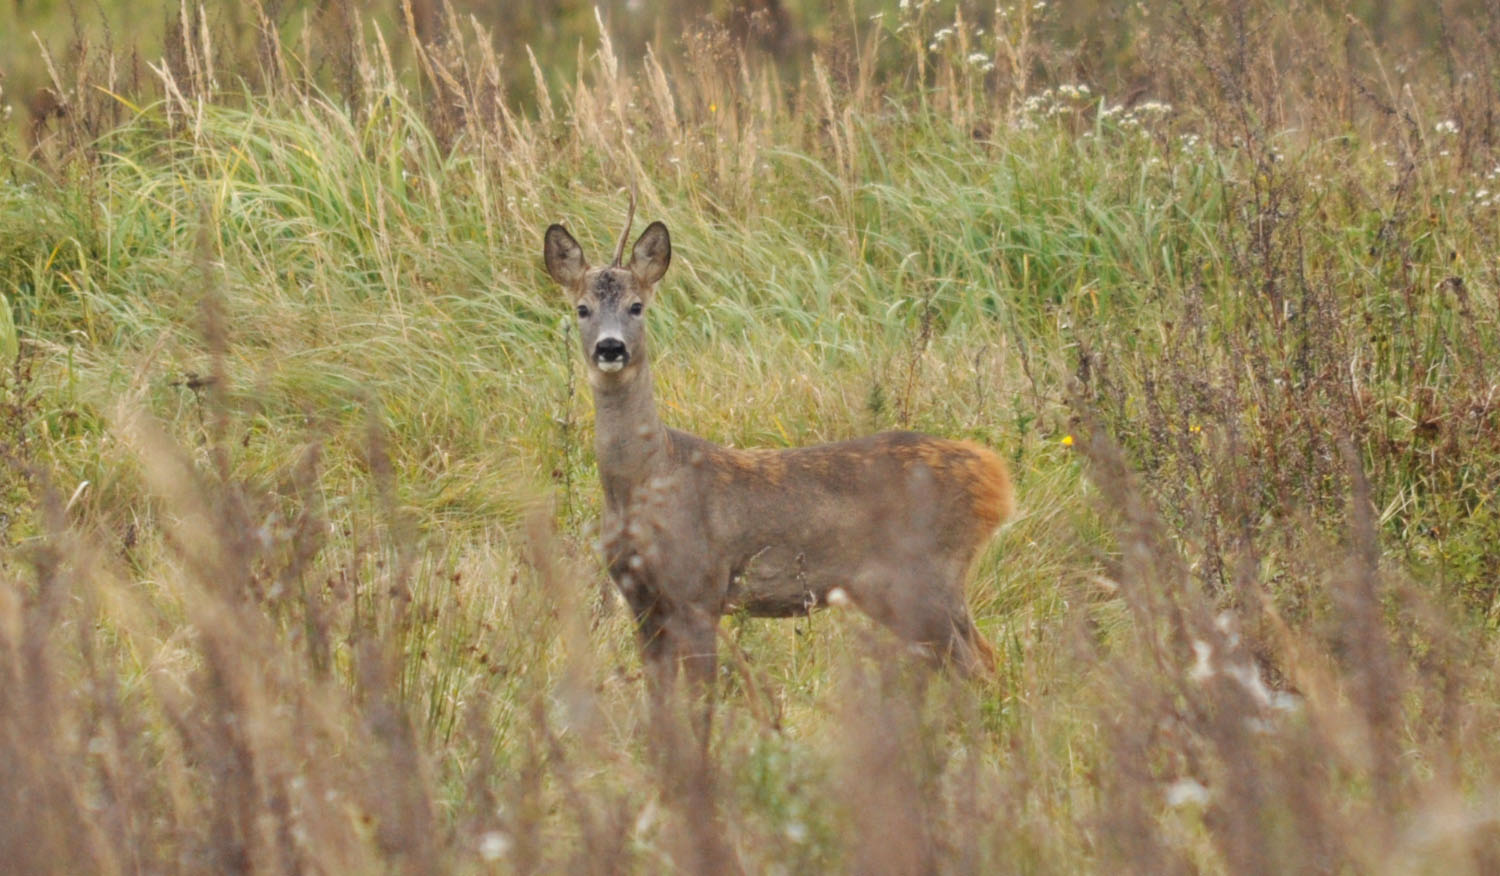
x: 299, y: 497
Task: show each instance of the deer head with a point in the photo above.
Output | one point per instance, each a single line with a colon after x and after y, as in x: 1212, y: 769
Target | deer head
x: 610, y: 302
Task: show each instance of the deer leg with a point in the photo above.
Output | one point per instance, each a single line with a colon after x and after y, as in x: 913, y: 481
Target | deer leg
x: 697, y: 644
x: 683, y: 717
x: 933, y: 616
x: 697, y: 648
x: 659, y: 663
x: 678, y: 639
x: 967, y: 648
x: 653, y: 634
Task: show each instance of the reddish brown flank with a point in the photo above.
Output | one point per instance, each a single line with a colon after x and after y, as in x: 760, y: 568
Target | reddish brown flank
x: 973, y: 468
x: 989, y: 485
x: 955, y: 464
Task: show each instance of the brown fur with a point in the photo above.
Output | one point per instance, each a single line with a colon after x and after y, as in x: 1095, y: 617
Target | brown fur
x: 988, y: 482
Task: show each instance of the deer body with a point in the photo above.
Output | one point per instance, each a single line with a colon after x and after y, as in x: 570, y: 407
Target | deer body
x: 693, y: 530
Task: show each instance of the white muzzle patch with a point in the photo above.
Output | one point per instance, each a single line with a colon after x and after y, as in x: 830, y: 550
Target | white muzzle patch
x: 617, y: 354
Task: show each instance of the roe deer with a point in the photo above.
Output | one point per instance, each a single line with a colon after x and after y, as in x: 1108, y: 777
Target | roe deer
x: 693, y: 530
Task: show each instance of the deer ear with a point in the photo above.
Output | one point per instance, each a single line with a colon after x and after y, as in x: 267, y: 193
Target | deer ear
x: 564, y: 257
x: 651, y: 255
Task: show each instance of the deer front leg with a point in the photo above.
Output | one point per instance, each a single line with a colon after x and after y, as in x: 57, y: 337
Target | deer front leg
x: 676, y: 600
x: 673, y: 640
x: 697, y: 645
x: 654, y: 635
x: 697, y: 649
x: 675, y: 636
x: 695, y: 594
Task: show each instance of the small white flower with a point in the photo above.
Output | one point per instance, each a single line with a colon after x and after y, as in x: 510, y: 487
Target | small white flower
x: 1184, y: 791
x: 646, y: 820
x: 1282, y: 701
x: 1249, y: 678
x: 494, y: 845
x: 1446, y: 126
x: 1225, y: 623
x: 1202, y: 669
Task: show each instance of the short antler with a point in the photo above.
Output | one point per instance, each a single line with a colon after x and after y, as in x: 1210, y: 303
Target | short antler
x: 625, y: 235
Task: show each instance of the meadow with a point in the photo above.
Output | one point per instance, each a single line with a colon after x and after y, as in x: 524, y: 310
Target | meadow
x: 297, y: 563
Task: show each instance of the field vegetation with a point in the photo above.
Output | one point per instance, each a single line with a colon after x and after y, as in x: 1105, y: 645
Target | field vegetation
x: 296, y: 541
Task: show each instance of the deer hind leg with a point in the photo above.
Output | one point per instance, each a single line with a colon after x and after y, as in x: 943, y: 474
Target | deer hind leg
x: 967, y: 648
x: 944, y: 628
x: 928, y: 611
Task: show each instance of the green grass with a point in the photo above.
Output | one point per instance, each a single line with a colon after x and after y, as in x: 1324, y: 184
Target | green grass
x: 300, y: 502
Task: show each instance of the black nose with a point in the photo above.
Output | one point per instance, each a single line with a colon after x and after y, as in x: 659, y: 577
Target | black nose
x: 610, y: 350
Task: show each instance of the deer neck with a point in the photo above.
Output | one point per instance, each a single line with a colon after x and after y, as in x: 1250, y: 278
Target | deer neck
x: 630, y: 442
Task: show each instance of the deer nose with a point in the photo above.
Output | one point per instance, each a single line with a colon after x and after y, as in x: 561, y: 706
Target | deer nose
x: 611, y: 350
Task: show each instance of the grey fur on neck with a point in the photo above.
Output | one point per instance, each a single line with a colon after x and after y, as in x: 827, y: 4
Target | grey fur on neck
x: 629, y: 438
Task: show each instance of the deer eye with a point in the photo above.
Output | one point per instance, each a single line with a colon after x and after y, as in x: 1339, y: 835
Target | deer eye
x: 636, y: 308
x: 583, y: 311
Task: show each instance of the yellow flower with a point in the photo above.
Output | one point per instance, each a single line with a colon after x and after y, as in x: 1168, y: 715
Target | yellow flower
x: 1067, y: 440
x: 713, y: 107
